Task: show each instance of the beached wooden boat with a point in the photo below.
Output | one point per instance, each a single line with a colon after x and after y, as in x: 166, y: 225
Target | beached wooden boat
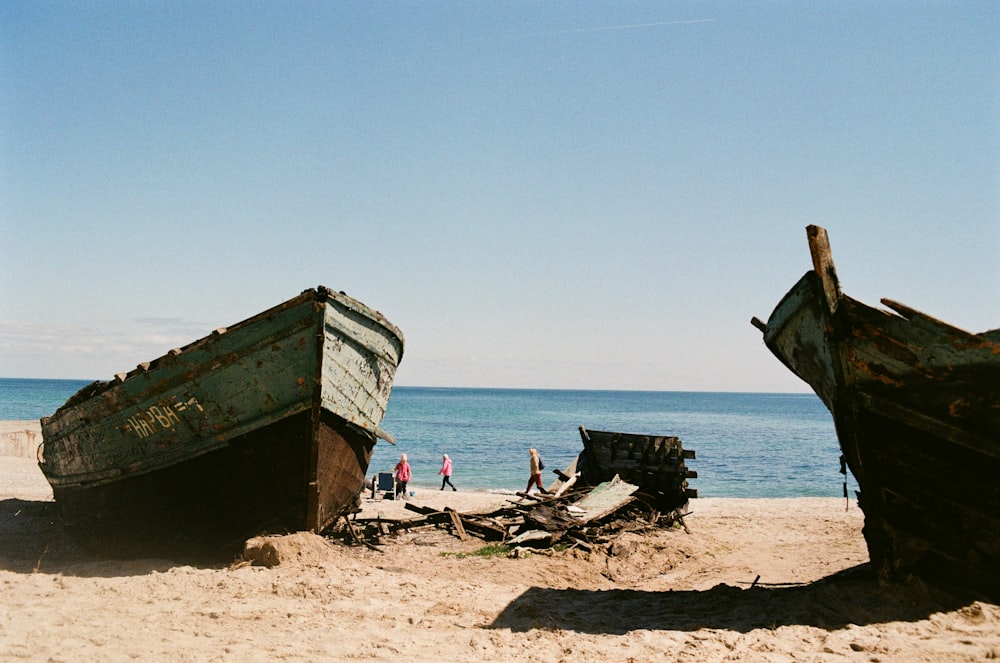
x: 654, y: 463
x: 916, y: 405
x: 268, y: 423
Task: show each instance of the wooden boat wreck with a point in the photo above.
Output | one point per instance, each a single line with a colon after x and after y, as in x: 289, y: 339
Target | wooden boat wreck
x: 269, y: 423
x: 916, y: 405
x: 591, y: 518
x: 654, y: 463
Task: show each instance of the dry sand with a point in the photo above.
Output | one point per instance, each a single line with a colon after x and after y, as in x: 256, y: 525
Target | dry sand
x: 662, y: 597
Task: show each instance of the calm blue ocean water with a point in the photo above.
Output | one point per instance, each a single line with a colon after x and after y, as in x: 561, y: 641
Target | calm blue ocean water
x: 34, y: 399
x: 747, y: 445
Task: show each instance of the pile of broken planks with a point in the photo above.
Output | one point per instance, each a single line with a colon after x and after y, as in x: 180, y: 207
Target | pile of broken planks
x: 586, y: 518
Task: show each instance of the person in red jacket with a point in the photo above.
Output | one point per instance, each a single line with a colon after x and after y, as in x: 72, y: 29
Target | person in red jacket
x: 403, y: 474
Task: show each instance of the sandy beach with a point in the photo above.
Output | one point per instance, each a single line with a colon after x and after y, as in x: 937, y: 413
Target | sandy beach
x: 423, y: 596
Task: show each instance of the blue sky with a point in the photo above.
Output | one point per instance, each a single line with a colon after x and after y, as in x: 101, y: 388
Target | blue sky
x: 558, y: 194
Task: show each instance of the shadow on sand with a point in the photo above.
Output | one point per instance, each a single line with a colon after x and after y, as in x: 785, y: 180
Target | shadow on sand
x: 851, y: 596
x: 34, y: 539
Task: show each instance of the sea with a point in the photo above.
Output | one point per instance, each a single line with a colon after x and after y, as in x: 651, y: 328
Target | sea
x: 746, y: 444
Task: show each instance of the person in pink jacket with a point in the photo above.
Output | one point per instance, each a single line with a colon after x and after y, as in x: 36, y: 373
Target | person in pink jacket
x: 446, y: 472
x: 403, y: 475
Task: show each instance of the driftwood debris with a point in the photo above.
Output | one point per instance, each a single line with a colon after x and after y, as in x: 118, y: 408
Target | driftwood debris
x: 620, y: 482
x: 584, y: 517
x: 657, y: 464
x: 456, y: 522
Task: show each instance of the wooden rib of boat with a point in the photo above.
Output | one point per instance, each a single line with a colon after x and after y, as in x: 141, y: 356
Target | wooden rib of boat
x: 654, y: 463
x: 268, y: 423
x: 916, y: 405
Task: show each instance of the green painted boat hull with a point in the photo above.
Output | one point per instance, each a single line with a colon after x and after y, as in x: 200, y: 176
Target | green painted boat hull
x: 268, y: 423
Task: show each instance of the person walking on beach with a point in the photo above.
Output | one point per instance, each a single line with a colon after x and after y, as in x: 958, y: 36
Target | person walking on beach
x: 446, y: 471
x: 403, y: 475
x: 536, y: 472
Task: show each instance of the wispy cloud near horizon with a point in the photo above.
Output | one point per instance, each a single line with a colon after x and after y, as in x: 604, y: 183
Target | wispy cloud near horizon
x: 48, y: 351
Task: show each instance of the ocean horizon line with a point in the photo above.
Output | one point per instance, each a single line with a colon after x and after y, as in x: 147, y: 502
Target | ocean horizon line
x: 748, y: 444
x: 514, y: 389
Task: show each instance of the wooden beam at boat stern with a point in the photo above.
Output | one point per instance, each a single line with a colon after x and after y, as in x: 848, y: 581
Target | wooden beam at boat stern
x: 822, y: 259
x: 314, y: 517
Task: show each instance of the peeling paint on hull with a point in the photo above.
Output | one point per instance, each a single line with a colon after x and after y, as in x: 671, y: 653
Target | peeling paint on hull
x: 916, y: 405
x: 270, y: 422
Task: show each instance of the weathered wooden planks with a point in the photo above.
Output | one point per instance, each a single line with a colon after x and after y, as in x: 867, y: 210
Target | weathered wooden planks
x: 270, y: 421
x: 916, y: 403
x: 654, y: 463
x: 585, y: 517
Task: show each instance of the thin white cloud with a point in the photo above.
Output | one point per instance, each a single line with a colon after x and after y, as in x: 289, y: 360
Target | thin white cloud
x: 610, y: 28
x: 37, y: 350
